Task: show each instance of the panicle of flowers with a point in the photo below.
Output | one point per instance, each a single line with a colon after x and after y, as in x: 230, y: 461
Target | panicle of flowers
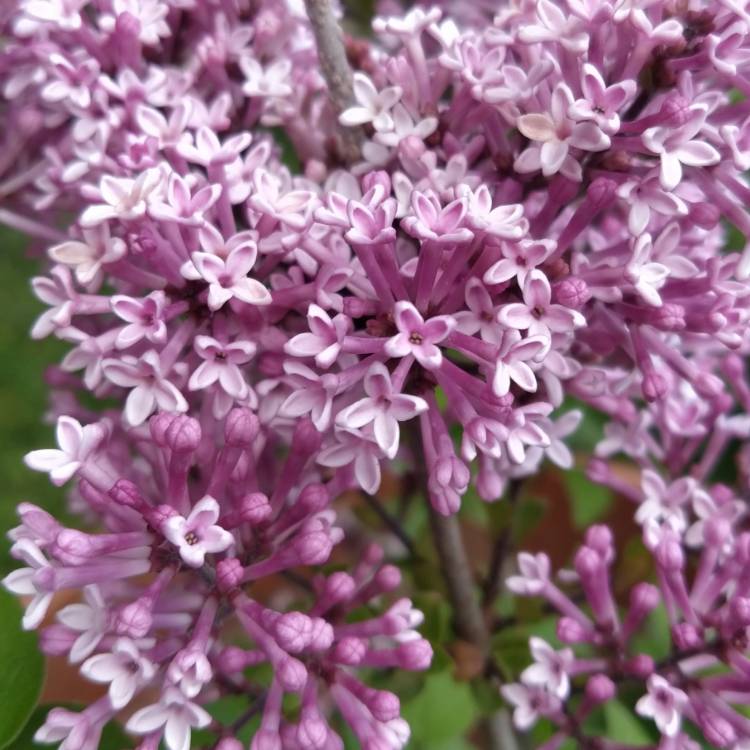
x: 539, y: 212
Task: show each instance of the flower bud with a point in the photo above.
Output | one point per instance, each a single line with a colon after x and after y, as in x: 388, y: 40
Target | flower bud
x: 572, y: 292
x: 183, y: 435
x: 415, y: 654
x: 349, y: 651
x: 231, y: 659
x: 158, y: 426
x: 716, y: 729
x: 291, y: 674
x: 686, y: 636
x: 383, y: 704
x: 571, y: 631
x: 135, y: 619
x: 241, y: 428
x: 641, y: 666
x: 600, y: 689
x: 255, y: 508
x: 314, y: 498
x: 293, y: 631
x: 229, y: 574
x: 229, y: 743
x: 388, y: 578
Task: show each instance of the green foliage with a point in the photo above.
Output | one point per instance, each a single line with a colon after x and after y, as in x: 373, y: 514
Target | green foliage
x: 589, y: 502
x: 22, y: 674
x: 441, y: 713
x: 624, y: 725
x: 22, y: 390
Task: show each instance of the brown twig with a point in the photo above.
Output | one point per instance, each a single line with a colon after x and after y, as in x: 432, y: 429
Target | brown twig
x: 335, y: 67
x: 500, y: 550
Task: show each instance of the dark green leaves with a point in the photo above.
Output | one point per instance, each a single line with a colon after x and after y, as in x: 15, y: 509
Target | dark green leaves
x: 22, y: 671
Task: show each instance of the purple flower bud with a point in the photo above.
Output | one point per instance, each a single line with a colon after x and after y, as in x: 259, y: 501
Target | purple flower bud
x: 349, y: 650
x: 255, y: 508
x: 716, y: 729
x: 159, y: 424
x: 313, y: 547
x: 572, y: 292
x: 669, y: 553
x: 241, y: 428
x: 705, y: 215
x: 312, y: 732
x: 293, y: 631
x: 416, y: 654
x: 571, y: 631
x: 134, y: 620
x: 654, y: 386
x: 183, y: 435
x: 640, y: 665
x: 740, y: 610
x: 57, y: 640
x: 306, y: 438
x: 686, y: 636
x: 229, y: 574
x: 229, y: 743
x: 231, y: 659
x: 321, y: 634
x: 383, y: 704
x: 291, y: 674
x: 600, y: 689
x: 388, y: 578
x: 314, y: 498
x: 339, y: 587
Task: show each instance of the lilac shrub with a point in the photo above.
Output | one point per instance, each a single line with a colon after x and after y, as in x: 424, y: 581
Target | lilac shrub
x: 272, y: 298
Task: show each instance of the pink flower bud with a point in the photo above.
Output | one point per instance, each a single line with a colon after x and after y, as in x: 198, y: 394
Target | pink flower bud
x: 229, y: 574
x: 230, y: 743
x: 314, y: 498
x: 571, y: 631
x: 159, y: 424
x: 57, y: 640
x: 383, y: 704
x: 641, y: 665
x: 293, y: 631
x: 241, y: 428
x: 600, y: 689
x: 265, y: 739
x: 415, y: 655
x: 349, y: 651
x: 388, y: 578
x: 705, y: 215
x: 231, y: 659
x: 134, y: 620
x: 321, y: 635
x: 291, y: 674
x: 312, y: 732
x: 255, y: 508
x: 572, y: 292
x: 183, y: 435
x: 306, y: 438
x: 686, y: 636
x: 716, y: 729
x: 313, y: 547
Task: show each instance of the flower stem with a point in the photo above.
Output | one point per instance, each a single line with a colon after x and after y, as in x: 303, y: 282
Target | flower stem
x: 335, y: 67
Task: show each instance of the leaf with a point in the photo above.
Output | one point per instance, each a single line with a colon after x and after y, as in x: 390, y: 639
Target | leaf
x: 653, y: 637
x: 442, y: 712
x: 23, y: 670
x: 623, y: 725
x: 589, y: 502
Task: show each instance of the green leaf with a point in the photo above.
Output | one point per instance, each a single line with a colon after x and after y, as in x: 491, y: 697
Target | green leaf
x: 441, y: 713
x: 589, y: 502
x: 23, y: 671
x: 623, y: 725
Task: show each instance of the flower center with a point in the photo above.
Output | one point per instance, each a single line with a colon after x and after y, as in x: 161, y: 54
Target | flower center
x: 538, y: 312
x: 416, y: 338
x: 191, y: 538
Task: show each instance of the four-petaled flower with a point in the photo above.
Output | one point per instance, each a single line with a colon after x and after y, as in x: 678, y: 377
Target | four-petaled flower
x: 418, y: 337
x: 383, y: 407
x: 551, y: 669
x: 664, y: 704
x: 227, y: 277
x: 511, y: 364
x: 537, y: 313
x: 76, y: 444
x: 124, y: 669
x: 150, y: 387
x: 372, y: 105
x: 324, y: 340
x: 198, y: 534
x: 176, y: 713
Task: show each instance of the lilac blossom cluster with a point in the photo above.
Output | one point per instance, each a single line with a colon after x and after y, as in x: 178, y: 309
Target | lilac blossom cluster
x: 537, y: 211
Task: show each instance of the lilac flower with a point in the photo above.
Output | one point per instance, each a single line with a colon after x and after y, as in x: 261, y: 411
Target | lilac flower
x: 150, y: 387
x: 417, y: 337
x: 511, y: 363
x: 537, y: 313
x: 145, y: 319
x: 24, y: 583
x: 124, y: 670
x: 373, y: 106
x: 519, y: 259
x: 227, y: 277
x: 679, y: 147
x: 221, y: 363
x: 645, y: 196
x: 88, y: 256
x: 384, y: 407
x: 601, y: 103
x: 551, y: 669
x: 76, y: 443
x: 664, y: 704
x: 175, y: 714
x: 123, y: 198
x: 198, y: 534
x: 324, y: 340
x: 557, y: 134
x: 529, y: 703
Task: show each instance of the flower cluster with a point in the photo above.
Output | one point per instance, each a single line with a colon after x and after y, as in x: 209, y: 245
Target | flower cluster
x: 699, y: 544
x: 538, y: 211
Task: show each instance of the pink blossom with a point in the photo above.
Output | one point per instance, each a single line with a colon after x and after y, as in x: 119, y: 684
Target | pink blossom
x: 324, y: 340
x: 198, y: 534
x: 418, y: 337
